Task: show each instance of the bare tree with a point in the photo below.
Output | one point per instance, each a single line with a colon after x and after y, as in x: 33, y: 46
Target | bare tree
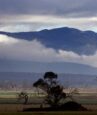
x: 23, y: 96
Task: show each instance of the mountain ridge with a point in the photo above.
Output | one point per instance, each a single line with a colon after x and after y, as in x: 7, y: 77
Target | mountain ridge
x: 69, y: 39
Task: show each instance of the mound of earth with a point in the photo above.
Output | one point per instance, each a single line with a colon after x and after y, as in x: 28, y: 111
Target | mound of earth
x: 70, y: 106
x: 73, y: 106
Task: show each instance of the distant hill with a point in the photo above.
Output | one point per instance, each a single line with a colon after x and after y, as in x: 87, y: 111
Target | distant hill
x: 9, y: 80
x: 70, y: 39
x: 40, y: 67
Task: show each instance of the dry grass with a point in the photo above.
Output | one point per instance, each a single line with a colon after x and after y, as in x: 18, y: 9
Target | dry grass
x: 88, y: 100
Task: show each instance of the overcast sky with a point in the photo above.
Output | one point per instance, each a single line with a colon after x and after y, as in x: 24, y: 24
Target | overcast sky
x: 28, y: 15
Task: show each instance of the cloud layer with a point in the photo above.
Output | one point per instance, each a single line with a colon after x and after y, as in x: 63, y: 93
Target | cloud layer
x: 27, y: 15
x: 69, y: 8
x: 23, y: 50
x: 29, y: 23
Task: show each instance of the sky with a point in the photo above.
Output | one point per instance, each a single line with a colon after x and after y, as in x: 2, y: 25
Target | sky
x: 29, y: 15
x: 34, y: 15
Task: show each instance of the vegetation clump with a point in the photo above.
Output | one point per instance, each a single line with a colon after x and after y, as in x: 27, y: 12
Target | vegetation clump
x: 55, y: 94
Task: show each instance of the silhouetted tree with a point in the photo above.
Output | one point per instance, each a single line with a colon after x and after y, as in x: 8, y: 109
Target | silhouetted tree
x: 23, y: 96
x: 50, y: 85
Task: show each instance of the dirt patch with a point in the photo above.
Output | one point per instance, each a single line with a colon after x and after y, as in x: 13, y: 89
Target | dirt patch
x: 91, y: 107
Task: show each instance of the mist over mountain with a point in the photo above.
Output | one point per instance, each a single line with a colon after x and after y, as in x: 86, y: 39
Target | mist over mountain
x: 70, y: 39
x: 66, y: 39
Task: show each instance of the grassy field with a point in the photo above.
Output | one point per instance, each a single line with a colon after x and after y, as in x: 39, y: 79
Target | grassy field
x: 10, y: 97
x: 9, y: 103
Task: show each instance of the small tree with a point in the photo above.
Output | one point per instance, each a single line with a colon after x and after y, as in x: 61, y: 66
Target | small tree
x: 50, y: 85
x: 23, y: 96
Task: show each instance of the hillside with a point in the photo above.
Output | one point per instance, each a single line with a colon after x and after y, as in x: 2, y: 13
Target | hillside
x: 70, y: 39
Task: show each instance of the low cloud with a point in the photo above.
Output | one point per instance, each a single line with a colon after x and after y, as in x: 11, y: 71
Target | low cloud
x: 15, y: 49
x: 82, y: 59
x: 24, y: 50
